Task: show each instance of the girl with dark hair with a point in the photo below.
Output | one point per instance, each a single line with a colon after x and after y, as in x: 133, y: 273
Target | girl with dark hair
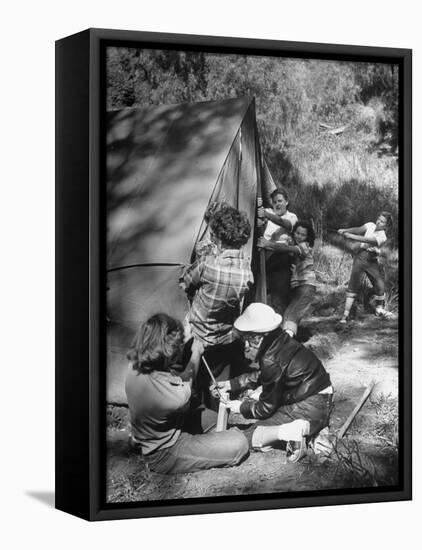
x: 302, y: 280
x: 173, y: 437
x: 371, y: 236
x: 205, y: 246
x: 216, y: 284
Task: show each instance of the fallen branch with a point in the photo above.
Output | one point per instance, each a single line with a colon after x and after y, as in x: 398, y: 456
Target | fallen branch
x: 336, y: 131
x: 355, y: 411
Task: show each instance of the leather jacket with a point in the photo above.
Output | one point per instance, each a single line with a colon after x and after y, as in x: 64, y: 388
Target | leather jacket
x: 289, y: 373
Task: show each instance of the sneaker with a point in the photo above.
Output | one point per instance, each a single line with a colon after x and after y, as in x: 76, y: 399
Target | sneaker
x: 296, y: 450
x: 295, y: 433
x: 383, y: 313
x: 322, y: 444
x: 343, y: 320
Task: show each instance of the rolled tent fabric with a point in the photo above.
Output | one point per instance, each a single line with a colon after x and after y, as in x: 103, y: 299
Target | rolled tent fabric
x: 165, y: 165
x: 267, y: 183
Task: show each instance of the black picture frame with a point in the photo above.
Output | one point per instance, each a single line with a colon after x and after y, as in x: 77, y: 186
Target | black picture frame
x: 80, y: 279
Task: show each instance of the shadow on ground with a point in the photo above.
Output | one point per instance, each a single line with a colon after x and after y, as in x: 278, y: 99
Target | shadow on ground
x: 45, y: 497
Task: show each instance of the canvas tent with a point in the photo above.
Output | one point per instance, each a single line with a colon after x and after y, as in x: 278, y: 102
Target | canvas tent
x: 164, y: 166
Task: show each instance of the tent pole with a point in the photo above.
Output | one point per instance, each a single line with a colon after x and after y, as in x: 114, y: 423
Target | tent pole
x: 263, y: 282
x: 261, y: 290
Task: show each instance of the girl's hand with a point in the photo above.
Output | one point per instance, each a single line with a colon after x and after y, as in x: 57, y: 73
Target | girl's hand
x: 261, y: 212
x: 234, y: 406
x: 341, y: 231
x: 197, y: 348
x: 220, y: 387
x: 263, y: 243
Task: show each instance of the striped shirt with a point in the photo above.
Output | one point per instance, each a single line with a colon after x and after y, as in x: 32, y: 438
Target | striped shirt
x: 219, y: 283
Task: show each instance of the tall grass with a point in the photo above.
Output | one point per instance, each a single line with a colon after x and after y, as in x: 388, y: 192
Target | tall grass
x: 386, y: 428
x: 338, y: 181
x: 332, y: 264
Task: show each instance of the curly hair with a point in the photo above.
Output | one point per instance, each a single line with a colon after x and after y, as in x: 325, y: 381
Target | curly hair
x: 231, y: 226
x: 214, y: 207
x: 157, y: 344
x: 310, y: 230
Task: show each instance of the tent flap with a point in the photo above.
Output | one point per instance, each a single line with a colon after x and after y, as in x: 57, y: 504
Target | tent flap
x: 164, y: 166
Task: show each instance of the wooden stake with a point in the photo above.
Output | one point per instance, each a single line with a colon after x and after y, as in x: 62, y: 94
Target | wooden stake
x: 355, y: 411
x: 223, y: 414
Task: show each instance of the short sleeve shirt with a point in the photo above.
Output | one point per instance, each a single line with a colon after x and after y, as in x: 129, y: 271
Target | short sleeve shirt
x: 157, y: 403
x: 219, y: 283
x: 380, y: 237
x: 275, y: 233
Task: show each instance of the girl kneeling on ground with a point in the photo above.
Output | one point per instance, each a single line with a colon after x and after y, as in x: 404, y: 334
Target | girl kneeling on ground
x: 173, y: 437
x: 371, y: 236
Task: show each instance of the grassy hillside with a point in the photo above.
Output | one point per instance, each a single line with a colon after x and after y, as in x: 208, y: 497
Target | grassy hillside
x: 328, y: 129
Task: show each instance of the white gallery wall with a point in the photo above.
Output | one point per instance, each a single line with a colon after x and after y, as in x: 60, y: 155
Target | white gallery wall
x: 29, y: 30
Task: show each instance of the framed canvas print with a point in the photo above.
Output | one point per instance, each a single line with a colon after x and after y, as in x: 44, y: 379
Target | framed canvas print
x: 233, y: 274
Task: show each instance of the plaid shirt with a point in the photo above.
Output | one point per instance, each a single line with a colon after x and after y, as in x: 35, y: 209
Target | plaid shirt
x: 219, y: 282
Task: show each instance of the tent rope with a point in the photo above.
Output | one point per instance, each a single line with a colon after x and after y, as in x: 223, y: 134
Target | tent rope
x: 162, y: 264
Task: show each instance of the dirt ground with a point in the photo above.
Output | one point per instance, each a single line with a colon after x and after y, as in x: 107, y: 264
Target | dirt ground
x: 365, y: 350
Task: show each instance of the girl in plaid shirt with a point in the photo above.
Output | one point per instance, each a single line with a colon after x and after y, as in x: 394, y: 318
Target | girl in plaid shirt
x: 217, y: 284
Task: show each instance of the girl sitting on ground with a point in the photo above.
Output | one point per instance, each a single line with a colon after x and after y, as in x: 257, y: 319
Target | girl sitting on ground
x: 173, y: 437
x: 371, y: 236
x: 303, y: 280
